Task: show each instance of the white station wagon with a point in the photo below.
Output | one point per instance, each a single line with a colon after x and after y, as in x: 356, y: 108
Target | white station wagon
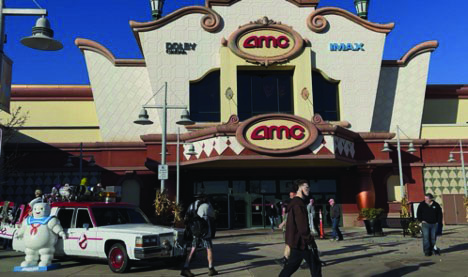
x: 118, y: 232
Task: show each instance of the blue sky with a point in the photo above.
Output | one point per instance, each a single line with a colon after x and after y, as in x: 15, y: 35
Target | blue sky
x: 106, y: 21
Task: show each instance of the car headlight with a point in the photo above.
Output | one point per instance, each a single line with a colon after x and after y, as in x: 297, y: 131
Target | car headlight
x: 138, y: 242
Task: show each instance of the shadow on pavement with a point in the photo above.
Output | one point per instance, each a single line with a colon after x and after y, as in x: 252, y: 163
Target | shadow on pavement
x: 402, y: 271
x: 455, y: 248
x: 346, y: 249
x: 243, y: 235
x: 357, y: 257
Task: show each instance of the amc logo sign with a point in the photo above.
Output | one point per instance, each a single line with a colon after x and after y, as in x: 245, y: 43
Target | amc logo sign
x: 276, y: 133
x: 266, y: 42
x: 281, y: 41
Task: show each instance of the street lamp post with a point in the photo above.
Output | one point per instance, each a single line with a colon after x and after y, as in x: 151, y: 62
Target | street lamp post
x: 80, y: 157
x: 411, y: 149
x: 143, y: 119
x: 452, y: 159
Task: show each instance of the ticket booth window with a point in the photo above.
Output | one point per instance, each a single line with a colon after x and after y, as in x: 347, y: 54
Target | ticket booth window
x: 262, y: 92
x: 204, y: 98
x: 325, y: 92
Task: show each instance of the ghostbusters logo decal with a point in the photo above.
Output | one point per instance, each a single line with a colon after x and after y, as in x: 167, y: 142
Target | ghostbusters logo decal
x: 83, y: 241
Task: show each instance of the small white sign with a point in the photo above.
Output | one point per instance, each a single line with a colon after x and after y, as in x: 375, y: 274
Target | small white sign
x: 163, y: 172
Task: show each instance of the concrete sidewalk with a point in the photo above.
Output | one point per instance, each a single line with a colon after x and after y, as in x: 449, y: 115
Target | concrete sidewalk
x: 252, y: 253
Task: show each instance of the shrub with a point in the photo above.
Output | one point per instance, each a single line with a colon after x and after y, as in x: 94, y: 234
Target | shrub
x: 371, y: 213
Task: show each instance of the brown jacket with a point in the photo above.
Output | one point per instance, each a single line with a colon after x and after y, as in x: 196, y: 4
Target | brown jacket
x: 297, y: 226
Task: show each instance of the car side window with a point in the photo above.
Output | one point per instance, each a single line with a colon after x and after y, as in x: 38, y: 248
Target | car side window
x: 83, y: 218
x: 65, y: 216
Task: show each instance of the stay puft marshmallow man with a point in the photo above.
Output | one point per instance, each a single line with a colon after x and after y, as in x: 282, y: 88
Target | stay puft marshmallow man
x: 40, y: 233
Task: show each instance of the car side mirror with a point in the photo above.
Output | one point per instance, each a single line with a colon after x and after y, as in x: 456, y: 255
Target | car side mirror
x: 86, y: 226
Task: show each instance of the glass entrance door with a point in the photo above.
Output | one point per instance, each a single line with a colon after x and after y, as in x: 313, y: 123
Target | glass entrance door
x: 257, y: 210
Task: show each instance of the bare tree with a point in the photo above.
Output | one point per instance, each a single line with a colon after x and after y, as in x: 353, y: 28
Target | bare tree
x: 9, y: 126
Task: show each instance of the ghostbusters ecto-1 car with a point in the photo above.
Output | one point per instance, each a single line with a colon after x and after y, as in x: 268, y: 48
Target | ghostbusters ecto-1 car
x: 118, y: 232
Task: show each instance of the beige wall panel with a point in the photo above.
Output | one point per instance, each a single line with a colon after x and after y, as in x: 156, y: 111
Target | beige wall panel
x: 58, y: 136
x: 56, y: 113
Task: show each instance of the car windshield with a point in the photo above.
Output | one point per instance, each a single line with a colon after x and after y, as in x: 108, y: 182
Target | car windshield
x: 113, y: 216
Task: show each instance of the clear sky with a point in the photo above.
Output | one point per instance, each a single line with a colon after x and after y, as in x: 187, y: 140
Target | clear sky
x: 106, y: 21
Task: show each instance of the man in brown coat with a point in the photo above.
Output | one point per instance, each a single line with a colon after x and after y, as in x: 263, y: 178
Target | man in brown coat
x: 298, y: 237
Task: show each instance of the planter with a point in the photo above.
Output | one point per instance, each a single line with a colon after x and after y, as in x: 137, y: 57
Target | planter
x: 374, y: 227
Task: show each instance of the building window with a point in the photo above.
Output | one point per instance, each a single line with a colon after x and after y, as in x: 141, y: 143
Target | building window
x: 204, y: 98
x: 262, y: 92
x: 325, y: 97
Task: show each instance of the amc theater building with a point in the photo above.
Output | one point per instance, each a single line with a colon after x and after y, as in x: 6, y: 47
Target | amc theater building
x: 278, y: 90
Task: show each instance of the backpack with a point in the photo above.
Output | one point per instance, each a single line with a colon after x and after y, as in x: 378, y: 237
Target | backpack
x: 198, y: 226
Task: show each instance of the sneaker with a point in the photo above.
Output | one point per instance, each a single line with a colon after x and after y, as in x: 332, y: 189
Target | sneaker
x: 427, y: 254
x: 282, y: 262
x: 437, y: 252
x: 186, y: 272
x: 304, y: 265
x: 212, y: 272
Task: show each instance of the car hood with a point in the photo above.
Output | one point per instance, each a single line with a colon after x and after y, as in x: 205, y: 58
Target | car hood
x: 138, y: 229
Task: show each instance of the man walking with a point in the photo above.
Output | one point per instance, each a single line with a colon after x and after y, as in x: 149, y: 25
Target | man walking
x: 430, y: 215
x: 298, y: 237
x: 335, y: 214
x: 287, y: 250
x: 203, y: 209
x: 312, y: 217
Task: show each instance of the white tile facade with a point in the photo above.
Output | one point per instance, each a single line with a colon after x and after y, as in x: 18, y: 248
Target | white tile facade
x: 119, y: 93
x: 401, y: 97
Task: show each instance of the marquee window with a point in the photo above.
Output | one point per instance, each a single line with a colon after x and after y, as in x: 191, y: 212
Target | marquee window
x: 204, y: 98
x: 325, y: 97
x: 262, y: 92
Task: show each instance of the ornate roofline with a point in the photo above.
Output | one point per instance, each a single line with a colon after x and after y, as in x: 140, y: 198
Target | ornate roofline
x: 317, y: 22
x: 211, y: 22
x: 299, y: 3
x: 90, y: 45
x: 427, y: 46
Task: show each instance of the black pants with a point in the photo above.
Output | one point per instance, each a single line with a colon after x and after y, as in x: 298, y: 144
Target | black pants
x: 295, y: 260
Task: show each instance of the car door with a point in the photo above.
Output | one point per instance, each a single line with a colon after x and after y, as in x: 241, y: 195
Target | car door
x: 82, y: 237
x: 65, y: 216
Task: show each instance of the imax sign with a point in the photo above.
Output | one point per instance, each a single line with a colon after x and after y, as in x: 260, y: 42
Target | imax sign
x: 347, y: 47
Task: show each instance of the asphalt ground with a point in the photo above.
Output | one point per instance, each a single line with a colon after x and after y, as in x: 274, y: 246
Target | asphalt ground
x: 252, y: 253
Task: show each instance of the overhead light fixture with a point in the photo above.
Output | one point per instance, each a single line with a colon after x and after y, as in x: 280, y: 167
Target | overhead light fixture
x: 42, y: 37
x: 451, y: 158
x: 191, y: 151
x: 143, y: 118
x: 185, y: 119
x: 411, y: 148
x: 386, y: 148
x: 362, y: 8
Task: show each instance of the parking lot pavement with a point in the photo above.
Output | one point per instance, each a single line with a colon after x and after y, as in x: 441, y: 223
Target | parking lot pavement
x: 252, y: 253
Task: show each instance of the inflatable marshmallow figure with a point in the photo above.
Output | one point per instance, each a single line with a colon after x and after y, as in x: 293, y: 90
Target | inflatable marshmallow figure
x: 39, y: 232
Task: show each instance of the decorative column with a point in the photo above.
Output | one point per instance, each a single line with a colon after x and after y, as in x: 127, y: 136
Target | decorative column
x: 366, y: 191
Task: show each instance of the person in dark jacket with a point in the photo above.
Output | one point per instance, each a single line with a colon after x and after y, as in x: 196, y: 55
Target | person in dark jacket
x: 430, y: 215
x: 335, y: 214
x: 298, y: 237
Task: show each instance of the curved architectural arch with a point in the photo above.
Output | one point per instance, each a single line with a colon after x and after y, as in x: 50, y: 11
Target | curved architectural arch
x: 317, y: 22
x: 91, y: 45
x: 211, y: 22
x: 427, y: 46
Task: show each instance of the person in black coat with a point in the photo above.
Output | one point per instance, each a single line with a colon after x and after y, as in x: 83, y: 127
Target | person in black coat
x: 430, y: 215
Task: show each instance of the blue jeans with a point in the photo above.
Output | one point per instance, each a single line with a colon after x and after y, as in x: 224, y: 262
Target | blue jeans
x: 429, y: 237
x: 272, y: 221
x: 336, y: 229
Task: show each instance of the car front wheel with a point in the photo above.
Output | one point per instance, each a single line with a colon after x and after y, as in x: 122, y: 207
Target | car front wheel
x: 118, y: 259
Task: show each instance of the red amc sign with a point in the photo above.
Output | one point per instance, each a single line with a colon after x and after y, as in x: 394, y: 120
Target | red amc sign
x: 276, y: 133
x: 281, y: 41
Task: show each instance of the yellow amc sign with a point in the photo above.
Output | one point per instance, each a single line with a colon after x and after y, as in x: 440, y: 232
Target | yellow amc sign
x: 276, y: 133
